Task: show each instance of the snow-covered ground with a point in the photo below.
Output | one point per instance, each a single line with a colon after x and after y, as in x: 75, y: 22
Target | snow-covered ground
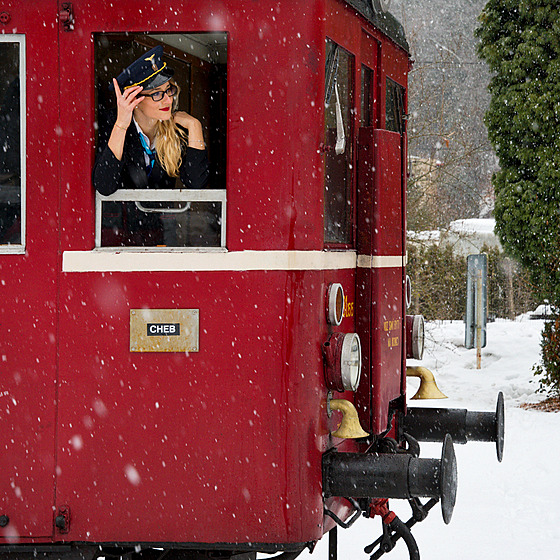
x: 509, y: 509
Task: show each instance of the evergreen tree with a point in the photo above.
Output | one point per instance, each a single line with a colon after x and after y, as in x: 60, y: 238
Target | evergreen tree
x: 520, y: 41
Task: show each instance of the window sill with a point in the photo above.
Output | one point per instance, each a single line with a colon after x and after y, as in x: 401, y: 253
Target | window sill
x: 12, y: 250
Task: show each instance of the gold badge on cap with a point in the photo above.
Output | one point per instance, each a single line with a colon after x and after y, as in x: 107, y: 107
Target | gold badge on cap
x: 151, y: 59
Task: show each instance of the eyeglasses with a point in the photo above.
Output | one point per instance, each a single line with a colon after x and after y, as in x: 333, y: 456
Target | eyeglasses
x: 171, y: 91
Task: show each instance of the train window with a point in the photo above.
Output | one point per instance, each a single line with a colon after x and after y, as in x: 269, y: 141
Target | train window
x: 366, y: 118
x: 180, y: 217
x: 338, y: 145
x: 394, y: 107
x: 161, y: 218
x: 12, y: 162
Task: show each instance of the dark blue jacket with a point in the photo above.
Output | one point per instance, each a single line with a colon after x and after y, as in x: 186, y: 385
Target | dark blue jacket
x: 110, y: 174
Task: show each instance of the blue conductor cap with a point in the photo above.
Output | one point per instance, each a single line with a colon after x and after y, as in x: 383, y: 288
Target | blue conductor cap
x: 148, y: 71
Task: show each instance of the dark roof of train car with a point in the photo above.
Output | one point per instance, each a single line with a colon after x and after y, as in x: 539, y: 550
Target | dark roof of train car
x: 384, y: 21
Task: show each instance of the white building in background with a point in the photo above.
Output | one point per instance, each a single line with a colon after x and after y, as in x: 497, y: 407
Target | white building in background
x: 469, y: 236
x: 466, y: 237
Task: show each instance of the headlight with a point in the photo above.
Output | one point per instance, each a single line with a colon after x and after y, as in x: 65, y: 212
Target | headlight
x: 343, y: 361
x: 414, y: 336
x: 351, y: 361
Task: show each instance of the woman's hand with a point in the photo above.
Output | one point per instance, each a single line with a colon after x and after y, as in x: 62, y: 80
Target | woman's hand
x: 186, y: 121
x: 126, y: 103
x: 196, y: 138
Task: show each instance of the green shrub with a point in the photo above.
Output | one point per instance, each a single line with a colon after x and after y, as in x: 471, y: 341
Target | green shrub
x: 439, y: 283
x: 548, y: 370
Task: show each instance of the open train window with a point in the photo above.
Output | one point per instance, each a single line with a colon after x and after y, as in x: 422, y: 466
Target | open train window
x: 180, y: 217
x: 339, y: 69
x: 12, y: 161
x: 394, y: 107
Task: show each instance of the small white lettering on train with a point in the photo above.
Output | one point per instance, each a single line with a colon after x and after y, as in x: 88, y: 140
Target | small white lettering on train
x: 164, y: 329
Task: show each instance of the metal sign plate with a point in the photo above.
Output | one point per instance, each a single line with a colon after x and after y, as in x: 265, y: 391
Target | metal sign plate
x: 477, y: 300
x: 164, y: 330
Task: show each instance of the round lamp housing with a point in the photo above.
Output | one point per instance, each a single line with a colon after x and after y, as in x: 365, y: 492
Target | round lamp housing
x: 343, y: 361
x: 414, y: 336
x: 335, y: 304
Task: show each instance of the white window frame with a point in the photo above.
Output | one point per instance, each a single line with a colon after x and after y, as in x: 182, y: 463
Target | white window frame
x: 19, y: 248
x: 161, y: 195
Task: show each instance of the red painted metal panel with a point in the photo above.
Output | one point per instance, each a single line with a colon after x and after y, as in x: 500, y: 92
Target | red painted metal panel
x: 186, y: 440
x: 380, y: 288
x: 388, y: 203
x: 370, y: 49
x: 388, y: 343
x: 276, y: 101
x: 272, y: 114
x: 223, y: 445
x: 28, y: 282
x: 220, y: 445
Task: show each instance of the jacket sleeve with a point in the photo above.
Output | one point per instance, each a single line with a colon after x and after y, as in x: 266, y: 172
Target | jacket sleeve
x: 107, y: 170
x: 194, y: 171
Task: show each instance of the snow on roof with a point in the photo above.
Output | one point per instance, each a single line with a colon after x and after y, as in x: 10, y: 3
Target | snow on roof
x: 467, y: 236
x: 430, y: 236
x: 473, y: 225
x: 471, y: 235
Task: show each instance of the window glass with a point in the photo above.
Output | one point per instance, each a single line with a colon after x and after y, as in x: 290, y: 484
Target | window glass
x: 394, y: 107
x: 199, y: 61
x: 366, y: 117
x: 11, y: 186
x: 338, y: 145
x: 161, y: 223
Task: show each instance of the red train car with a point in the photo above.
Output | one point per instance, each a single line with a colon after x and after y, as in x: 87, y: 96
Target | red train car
x: 174, y: 383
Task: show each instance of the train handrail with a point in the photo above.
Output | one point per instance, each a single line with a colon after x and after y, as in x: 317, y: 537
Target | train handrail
x: 148, y: 210
x: 139, y: 196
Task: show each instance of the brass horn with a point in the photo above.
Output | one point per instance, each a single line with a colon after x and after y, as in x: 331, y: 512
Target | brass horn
x: 428, y: 388
x: 350, y: 426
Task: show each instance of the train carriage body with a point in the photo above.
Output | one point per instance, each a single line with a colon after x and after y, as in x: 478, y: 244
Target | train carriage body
x: 173, y: 393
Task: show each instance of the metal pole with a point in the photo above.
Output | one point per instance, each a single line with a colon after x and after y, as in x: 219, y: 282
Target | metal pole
x: 333, y: 544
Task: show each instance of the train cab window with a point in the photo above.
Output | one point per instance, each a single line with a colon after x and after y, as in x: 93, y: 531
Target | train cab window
x: 367, y: 104
x: 12, y: 176
x: 394, y: 107
x: 338, y: 125
x: 179, y: 217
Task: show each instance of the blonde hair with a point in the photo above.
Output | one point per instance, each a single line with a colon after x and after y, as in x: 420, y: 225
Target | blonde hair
x: 169, y: 141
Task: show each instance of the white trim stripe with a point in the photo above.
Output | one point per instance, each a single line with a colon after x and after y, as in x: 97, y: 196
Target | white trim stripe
x: 147, y: 261
x: 190, y: 261
x: 385, y: 261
